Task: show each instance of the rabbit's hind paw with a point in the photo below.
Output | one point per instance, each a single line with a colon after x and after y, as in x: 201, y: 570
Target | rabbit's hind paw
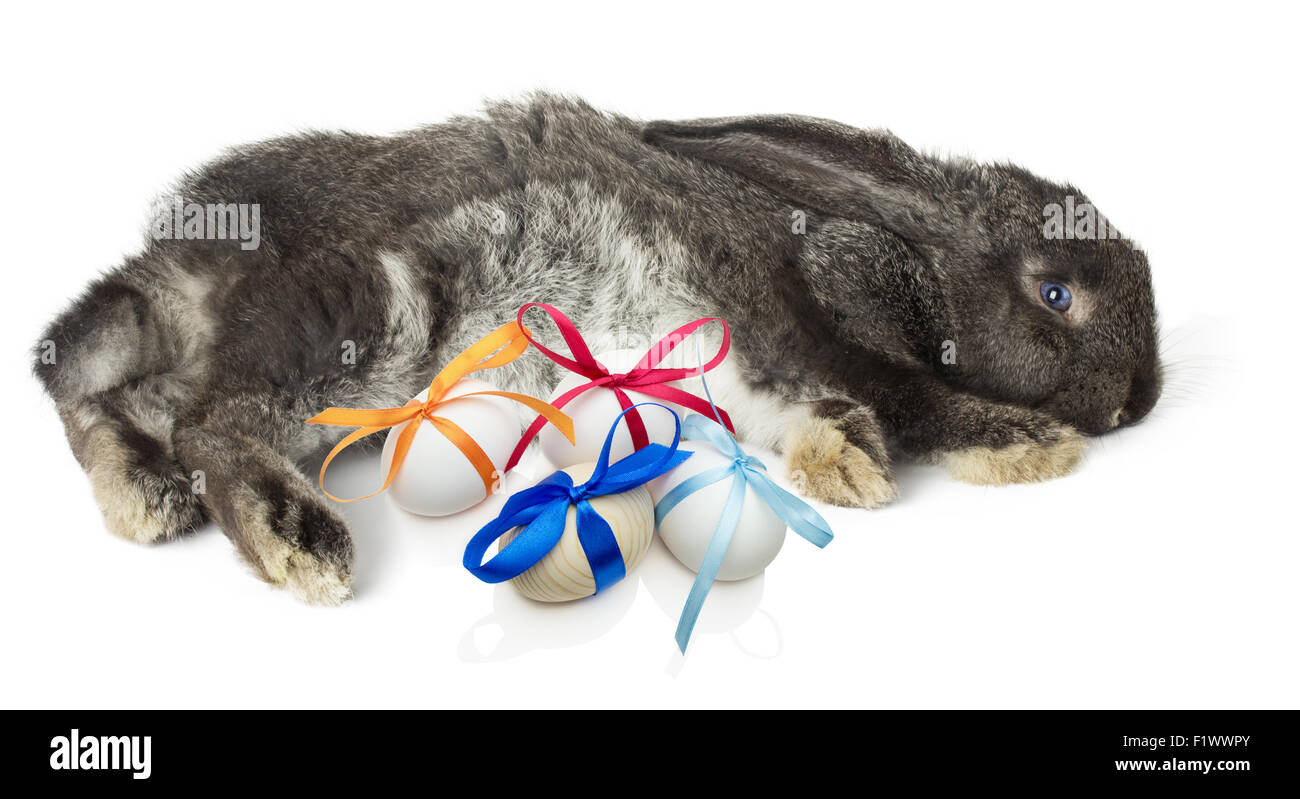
x: 143, y: 496
x: 292, y: 541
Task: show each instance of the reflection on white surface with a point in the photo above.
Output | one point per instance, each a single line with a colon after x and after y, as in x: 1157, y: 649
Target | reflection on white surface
x: 731, y: 609
x: 759, y: 637
x: 518, y: 625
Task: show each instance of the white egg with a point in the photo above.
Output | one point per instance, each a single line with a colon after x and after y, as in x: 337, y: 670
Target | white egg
x: 689, y: 526
x: 594, y: 411
x: 436, y: 479
x: 564, y: 573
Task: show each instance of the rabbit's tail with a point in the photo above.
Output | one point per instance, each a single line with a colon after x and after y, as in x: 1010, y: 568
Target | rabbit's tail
x: 112, y: 334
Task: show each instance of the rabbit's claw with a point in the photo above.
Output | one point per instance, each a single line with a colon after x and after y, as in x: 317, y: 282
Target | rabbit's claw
x: 824, y: 465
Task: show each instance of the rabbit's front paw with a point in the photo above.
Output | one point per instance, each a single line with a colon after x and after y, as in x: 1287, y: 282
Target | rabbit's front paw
x: 1052, y: 452
x: 825, y: 466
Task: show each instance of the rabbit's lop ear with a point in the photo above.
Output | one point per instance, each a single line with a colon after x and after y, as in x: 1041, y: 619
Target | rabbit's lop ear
x: 823, y: 165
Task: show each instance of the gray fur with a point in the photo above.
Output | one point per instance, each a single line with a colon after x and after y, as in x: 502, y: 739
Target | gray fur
x: 201, y: 355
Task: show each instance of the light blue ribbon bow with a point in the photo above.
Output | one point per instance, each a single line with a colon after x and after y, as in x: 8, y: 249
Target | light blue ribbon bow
x: 543, y: 510
x: 744, y: 471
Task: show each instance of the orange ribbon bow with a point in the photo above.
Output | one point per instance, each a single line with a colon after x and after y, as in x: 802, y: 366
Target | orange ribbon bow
x: 498, y: 348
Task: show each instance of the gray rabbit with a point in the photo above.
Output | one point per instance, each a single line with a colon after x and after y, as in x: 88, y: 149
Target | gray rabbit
x: 883, y: 303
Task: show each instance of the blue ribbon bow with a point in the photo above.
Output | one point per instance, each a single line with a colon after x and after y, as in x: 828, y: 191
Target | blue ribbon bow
x: 744, y: 471
x: 542, y: 511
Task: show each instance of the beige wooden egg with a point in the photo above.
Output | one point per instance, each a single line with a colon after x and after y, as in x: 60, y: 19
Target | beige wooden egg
x: 564, y: 573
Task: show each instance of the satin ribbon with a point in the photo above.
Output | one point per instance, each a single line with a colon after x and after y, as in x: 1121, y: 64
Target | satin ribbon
x: 543, y: 510
x: 497, y: 348
x: 745, y: 471
x: 646, y: 378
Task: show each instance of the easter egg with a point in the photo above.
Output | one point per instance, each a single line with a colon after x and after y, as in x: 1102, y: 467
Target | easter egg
x: 564, y: 573
x: 436, y: 479
x: 594, y: 411
x: 689, y: 526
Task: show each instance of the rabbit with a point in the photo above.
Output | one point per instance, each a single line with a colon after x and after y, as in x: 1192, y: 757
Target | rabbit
x: 885, y: 304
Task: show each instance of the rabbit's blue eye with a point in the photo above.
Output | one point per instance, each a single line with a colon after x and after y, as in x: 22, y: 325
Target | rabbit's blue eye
x: 1056, y: 296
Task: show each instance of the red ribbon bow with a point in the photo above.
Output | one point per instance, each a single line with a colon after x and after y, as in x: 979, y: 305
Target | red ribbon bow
x: 646, y: 378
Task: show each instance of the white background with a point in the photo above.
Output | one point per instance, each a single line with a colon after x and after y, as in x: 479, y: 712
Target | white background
x: 1162, y: 574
